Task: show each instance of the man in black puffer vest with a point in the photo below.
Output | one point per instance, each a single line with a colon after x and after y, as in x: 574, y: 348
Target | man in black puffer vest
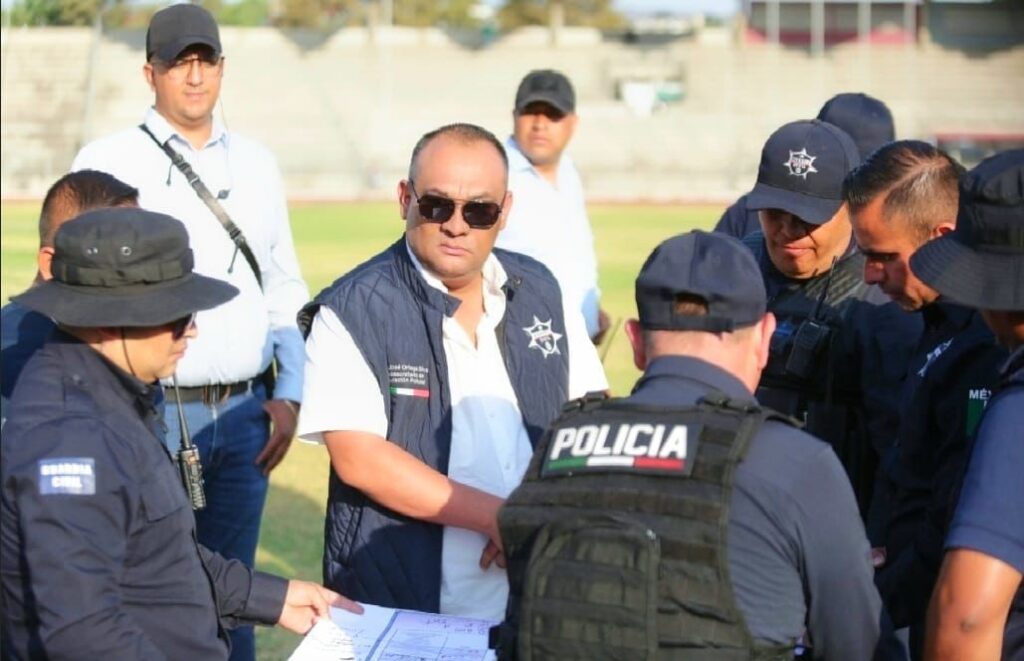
x: 433, y: 370
x: 685, y: 521
x: 839, y: 352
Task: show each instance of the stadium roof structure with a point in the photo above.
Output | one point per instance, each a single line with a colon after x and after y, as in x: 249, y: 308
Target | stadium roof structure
x: 767, y: 23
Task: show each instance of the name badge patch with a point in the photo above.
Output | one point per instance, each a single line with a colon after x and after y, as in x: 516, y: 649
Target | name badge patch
x: 408, y: 380
x: 72, y: 476
x: 624, y: 448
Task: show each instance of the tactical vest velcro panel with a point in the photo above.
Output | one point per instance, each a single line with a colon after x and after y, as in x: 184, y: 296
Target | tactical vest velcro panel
x: 616, y: 539
x: 588, y: 591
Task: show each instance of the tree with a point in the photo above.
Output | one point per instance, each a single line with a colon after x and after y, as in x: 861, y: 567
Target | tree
x: 591, y: 13
x: 423, y: 13
x: 243, y: 12
x: 318, y: 14
x: 55, y: 12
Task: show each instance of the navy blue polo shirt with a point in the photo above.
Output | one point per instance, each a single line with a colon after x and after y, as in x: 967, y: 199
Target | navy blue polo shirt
x: 990, y: 515
x: 798, y: 555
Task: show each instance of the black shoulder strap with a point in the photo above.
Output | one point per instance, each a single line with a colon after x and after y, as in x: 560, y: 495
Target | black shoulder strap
x: 753, y: 417
x: 210, y: 201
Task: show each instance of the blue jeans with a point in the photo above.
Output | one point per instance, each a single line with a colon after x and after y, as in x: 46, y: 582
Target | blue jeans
x: 229, y: 436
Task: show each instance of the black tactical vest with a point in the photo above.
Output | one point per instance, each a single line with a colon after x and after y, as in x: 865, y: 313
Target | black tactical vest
x: 808, y: 342
x: 814, y: 368
x: 616, y: 539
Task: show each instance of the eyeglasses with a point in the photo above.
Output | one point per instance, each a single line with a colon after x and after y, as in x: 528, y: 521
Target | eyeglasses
x: 439, y: 209
x: 181, y: 326
x: 182, y: 68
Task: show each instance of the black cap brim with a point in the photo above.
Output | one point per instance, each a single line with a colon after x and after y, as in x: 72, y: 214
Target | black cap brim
x: 810, y: 209
x: 144, y: 305
x: 550, y: 99
x: 170, y: 51
x: 986, y: 280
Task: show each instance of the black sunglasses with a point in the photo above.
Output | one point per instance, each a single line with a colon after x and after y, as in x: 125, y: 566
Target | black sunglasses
x: 180, y: 326
x: 439, y: 209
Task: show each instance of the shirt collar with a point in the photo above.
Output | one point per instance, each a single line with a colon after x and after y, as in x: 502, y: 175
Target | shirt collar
x: 163, y: 130
x: 1013, y: 365
x: 943, y: 312
x: 493, y: 273
x: 517, y: 161
x: 694, y: 369
x: 142, y: 396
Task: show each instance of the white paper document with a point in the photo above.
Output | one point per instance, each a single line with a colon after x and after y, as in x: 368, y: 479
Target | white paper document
x: 386, y: 634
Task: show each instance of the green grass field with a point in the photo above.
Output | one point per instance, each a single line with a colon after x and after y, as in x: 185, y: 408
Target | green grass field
x: 330, y: 239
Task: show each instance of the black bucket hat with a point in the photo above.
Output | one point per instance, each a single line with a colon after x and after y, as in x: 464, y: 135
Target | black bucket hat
x: 123, y: 267
x: 981, y: 262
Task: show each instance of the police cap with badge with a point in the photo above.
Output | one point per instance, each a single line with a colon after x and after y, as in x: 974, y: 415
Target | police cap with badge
x: 616, y: 538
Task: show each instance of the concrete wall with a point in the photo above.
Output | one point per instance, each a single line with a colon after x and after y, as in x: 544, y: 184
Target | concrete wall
x: 343, y: 113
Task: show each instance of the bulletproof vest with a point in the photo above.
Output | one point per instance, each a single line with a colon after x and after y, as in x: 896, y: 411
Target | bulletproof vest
x: 813, y: 373
x: 616, y: 538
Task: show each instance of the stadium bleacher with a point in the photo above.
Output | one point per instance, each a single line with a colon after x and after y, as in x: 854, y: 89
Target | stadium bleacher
x: 341, y: 114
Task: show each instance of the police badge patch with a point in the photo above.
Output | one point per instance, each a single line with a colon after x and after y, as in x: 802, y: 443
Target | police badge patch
x: 542, y: 337
x: 800, y: 163
x: 72, y: 476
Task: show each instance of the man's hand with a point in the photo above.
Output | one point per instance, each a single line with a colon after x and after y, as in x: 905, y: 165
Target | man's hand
x: 493, y: 553
x: 284, y: 416
x: 877, y: 556
x: 307, y: 602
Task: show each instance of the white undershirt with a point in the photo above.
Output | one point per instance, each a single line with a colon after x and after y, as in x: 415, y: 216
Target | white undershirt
x: 490, y: 449
x: 549, y: 223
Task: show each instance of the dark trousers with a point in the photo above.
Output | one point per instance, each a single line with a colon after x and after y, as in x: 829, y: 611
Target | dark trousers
x: 229, y: 435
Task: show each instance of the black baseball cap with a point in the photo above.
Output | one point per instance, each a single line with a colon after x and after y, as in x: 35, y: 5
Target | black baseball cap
x: 802, y: 168
x: 865, y: 119
x: 123, y: 267
x: 547, y: 86
x: 981, y: 262
x: 175, y: 28
x: 712, y: 266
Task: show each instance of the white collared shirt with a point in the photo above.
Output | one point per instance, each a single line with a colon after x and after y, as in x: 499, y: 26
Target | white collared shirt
x: 550, y: 224
x: 237, y: 339
x: 490, y: 449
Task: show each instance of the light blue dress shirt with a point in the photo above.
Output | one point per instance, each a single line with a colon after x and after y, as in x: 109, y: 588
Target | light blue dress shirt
x: 237, y: 340
x: 550, y: 224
